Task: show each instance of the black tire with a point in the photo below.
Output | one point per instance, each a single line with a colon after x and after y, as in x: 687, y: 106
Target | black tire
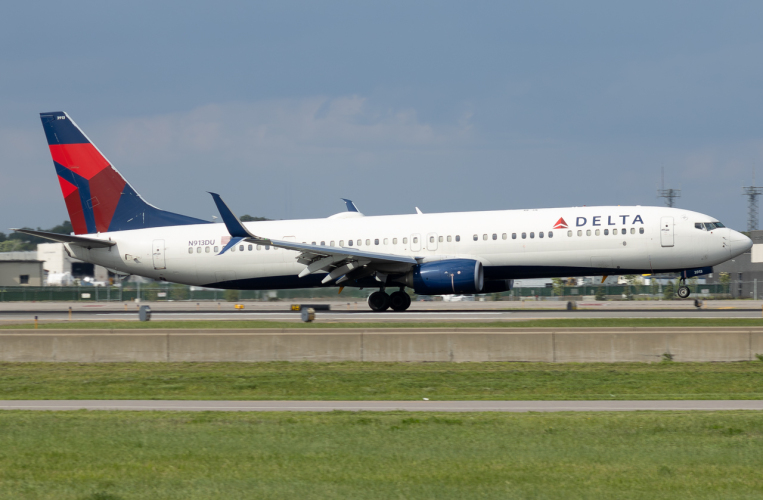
x: 399, y: 301
x: 378, y: 301
x: 684, y: 292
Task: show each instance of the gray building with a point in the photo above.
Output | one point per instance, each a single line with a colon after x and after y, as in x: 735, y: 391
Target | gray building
x: 745, y: 271
x: 21, y: 272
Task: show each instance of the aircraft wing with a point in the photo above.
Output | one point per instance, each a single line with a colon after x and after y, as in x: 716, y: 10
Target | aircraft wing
x: 341, y: 263
x: 66, y: 238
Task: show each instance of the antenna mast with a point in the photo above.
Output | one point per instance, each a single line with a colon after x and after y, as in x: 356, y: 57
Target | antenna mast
x: 752, y: 193
x: 669, y: 194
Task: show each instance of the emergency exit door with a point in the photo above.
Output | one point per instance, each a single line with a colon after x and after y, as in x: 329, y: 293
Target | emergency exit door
x: 158, y: 254
x: 666, y: 231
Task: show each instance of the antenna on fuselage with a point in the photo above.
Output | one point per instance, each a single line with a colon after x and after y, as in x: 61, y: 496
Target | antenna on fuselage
x: 752, y: 193
x: 669, y: 194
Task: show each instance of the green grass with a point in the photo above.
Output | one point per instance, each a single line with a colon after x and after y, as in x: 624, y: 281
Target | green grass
x: 165, y: 455
x: 535, y: 323
x: 382, y: 381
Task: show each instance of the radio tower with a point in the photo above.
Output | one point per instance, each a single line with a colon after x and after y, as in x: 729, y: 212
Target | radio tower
x: 752, y: 193
x: 669, y: 194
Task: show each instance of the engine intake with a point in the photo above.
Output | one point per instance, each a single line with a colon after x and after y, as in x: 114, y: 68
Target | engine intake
x: 455, y: 276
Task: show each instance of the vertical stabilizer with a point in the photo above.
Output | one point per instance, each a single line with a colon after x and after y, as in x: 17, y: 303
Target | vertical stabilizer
x: 97, y: 197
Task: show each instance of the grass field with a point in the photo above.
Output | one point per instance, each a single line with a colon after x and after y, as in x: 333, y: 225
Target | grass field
x: 165, y: 455
x: 538, y: 323
x: 382, y: 381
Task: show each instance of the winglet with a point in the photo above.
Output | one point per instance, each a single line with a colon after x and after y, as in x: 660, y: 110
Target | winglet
x: 350, y: 205
x: 234, y: 226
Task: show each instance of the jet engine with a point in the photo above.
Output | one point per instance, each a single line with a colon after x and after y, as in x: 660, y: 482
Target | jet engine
x: 443, y: 277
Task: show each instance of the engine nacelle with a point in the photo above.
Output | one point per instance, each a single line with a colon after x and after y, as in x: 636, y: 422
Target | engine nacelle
x: 443, y: 277
x: 497, y: 286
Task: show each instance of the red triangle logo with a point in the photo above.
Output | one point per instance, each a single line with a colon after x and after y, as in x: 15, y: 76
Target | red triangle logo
x: 560, y: 224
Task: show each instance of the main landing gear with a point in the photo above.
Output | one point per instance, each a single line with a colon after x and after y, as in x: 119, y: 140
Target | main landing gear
x: 683, y: 290
x: 380, y: 301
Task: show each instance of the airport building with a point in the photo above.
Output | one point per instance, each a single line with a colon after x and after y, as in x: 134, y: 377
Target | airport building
x: 48, y: 265
x: 21, y: 269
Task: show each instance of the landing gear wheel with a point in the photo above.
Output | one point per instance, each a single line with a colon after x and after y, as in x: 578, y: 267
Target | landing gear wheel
x: 378, y: 301
x: 399, y: 301
x: 684, y: 292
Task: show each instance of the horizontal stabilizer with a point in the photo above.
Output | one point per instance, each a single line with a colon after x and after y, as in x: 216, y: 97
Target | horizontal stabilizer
x: 66, y: 238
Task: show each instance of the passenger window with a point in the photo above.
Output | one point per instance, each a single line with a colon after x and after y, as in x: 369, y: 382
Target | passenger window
x: 606, y: 232
x: 513, y: 236
x: 376, y: 241
x: 598, y: 232
x: 368, y: 243
x: 495, y: 236
x: 313, y: 243
x: 331, y: 243
x: 439, y: 239
x: 341, y: 243
x: 614, y: 232
x: 450, y: 238
x: 415, y: 239
x: 588, y: 232
x: 198, y: 249
x: 323, y: 243
x: 259, y: 247
x: 206, y: 249
x: 394, y: 241
x: 190, y: 249
x: 216, y: 249
x: 540, y: 234
x: 476, y: 237
x: 580, y: 233
x: 249, y: 248
x: 550, y: 234
x: 504, y: 236
x: 458, y: 238
x: 532, y: 235
x: 431, y: 239
x: 484, y: 237
x: 267, y: 247
x: 524, y: 236
x: 633, y: 230
x: 360, y: 243
x: 233, y: 248
x: 241, y: 247
x: 386, y: 241
x: 641, y: 230
x: 405, y: 241
x: 569, y: 233
x: 349, y: 243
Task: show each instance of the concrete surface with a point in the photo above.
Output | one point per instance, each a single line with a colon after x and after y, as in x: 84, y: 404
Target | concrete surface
x: 443, y: 406
x: 399, y: 344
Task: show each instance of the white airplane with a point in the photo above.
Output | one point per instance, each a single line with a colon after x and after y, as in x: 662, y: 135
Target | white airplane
x: 434, y: 254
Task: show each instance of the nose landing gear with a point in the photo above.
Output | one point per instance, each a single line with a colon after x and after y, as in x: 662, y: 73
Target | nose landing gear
x: 683, y: 290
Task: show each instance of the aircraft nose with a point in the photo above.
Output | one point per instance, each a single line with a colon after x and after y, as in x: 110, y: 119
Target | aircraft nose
x: 738, y: 243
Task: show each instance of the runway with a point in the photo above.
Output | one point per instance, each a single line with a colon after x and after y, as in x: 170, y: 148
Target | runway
x: 429, y: 406
x: 20, y: 312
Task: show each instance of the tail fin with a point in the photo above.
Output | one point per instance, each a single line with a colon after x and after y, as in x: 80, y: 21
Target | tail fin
x: 97, y: 197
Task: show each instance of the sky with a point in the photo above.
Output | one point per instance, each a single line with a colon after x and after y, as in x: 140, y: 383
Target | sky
x: 285, y: 107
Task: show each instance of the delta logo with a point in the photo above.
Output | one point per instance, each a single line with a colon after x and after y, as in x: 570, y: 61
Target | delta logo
x: 560, y: 224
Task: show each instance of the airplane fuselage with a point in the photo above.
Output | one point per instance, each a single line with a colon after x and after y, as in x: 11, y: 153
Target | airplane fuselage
x: 510, y: 244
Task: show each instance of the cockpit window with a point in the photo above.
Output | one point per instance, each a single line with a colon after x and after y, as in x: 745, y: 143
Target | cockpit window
x: 718, y: 224
x: 699, y: 226
x: 709, y: 226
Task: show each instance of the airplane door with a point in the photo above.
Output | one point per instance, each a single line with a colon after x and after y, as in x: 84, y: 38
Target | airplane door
x: 416, y: 242
x: 158, y: 254
x: 432, y: 242
x: 666, y: 231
